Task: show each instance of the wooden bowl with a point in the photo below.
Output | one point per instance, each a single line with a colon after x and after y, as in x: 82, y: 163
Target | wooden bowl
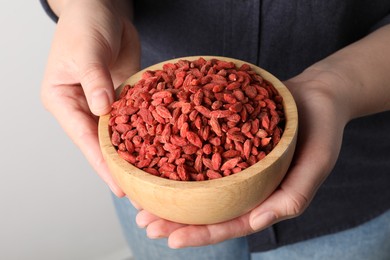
x: 211, y: 201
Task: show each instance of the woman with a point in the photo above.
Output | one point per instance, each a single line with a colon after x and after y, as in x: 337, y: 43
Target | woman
x: 334, y: 58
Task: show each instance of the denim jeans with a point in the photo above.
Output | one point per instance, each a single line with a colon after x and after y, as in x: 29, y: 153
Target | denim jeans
x: 368, y: 241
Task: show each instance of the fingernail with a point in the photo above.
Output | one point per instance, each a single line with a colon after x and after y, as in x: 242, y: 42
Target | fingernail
x: 100, y: 101
x: 263, y: 220
x: 140, y: 223
x: 174, y: 244
x: 153, y: 235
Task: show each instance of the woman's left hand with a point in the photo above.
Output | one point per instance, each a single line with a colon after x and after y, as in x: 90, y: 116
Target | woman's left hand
x: 321, y: 123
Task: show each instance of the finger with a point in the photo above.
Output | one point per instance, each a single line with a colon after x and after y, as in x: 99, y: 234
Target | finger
x: 144, y: 218
x: 193, y: 235
x: 162, y: 228
x: 95, y: 77
x: 98, y: 75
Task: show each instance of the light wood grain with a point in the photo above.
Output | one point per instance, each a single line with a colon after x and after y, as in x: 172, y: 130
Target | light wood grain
x: 211, y: 201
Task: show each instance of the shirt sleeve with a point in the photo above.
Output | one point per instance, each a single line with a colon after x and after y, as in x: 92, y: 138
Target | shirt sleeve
x: 48, y: 10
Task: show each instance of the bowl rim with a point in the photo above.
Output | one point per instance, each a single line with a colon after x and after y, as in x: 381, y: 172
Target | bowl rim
x: 288, y: 136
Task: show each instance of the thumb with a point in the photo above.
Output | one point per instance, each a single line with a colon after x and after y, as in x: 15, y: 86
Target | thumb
x: 95, y: 79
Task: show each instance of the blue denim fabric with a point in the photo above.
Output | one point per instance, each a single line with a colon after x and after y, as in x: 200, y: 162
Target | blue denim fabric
x: 368, y: 241
x: 144, y: 248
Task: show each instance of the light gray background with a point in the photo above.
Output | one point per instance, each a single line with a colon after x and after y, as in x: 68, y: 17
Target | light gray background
x: 53, y: 205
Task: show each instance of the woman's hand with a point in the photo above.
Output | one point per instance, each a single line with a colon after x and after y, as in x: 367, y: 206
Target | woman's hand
x: 95, y: 47
x: 321, y: 124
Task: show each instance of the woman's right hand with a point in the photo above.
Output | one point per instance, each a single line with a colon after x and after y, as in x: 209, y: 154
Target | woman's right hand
x: 95, y: 48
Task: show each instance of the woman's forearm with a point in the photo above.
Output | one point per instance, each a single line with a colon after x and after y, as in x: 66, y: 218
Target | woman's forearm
x: 361, y: 73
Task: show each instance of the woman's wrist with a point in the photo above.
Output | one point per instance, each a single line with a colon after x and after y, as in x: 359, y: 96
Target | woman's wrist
x: 325, y: 86
x: 360, y: 74
x: 336, y: 84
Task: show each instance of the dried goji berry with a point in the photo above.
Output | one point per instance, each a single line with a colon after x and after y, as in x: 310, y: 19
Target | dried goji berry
x: 197, y: 120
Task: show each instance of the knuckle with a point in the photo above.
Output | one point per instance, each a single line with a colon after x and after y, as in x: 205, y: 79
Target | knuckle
x: 296, y: 204
x: 92, y: 72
